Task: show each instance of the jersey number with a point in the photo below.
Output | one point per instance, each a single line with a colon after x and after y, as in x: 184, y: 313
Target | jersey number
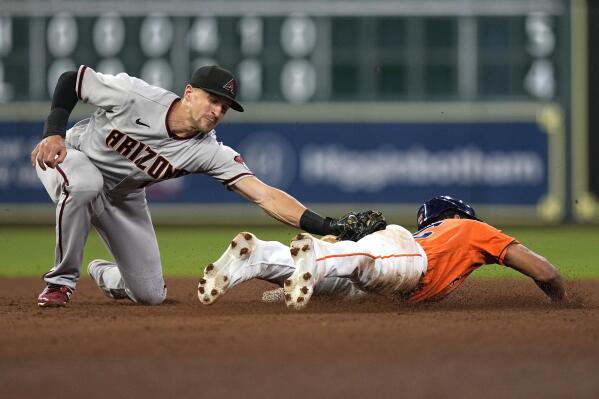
x: 424, y: 233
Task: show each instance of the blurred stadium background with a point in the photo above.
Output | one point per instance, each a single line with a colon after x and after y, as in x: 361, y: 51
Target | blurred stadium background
x: 349, y: 104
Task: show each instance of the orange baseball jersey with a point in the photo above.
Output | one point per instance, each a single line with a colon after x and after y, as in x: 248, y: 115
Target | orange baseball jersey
x: 455, y: 248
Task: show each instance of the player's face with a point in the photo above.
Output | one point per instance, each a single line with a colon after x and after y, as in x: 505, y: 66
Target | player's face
x: 206, y: 109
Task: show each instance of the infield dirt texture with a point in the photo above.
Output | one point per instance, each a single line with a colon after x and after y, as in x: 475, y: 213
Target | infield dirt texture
x: 493, y: 338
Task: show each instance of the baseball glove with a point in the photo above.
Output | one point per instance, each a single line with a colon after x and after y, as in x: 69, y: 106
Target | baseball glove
x: 356, y: 225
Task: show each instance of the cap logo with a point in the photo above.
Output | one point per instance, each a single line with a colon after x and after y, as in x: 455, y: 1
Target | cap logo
x: 230, y: 86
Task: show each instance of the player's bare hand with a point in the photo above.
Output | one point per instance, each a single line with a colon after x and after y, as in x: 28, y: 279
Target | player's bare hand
x: 49, y: 152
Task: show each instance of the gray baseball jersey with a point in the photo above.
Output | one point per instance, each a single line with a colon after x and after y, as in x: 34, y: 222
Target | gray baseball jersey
x: 128, y: 140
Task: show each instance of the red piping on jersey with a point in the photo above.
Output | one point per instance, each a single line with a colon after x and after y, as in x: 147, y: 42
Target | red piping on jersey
x: 80, y: 81
x: 366, y: 254
x: 501, y: 257
x: 64, y: 202
x: 168, y: 129
x: 227, y: 182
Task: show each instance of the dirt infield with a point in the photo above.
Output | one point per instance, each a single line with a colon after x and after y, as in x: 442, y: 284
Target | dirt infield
x: 492, y: 338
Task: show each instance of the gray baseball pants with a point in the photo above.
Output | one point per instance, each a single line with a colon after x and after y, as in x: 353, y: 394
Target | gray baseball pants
x: 122, y: 221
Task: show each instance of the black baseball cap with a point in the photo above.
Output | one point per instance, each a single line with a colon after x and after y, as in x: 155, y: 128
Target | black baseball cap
x: 217, y: 80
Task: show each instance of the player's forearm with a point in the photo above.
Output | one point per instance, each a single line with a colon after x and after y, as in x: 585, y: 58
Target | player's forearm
x: 290, y: 211
x: 282, y: 207
x: 554, y: 288
x: 63, y: 102
x: 544, y: 274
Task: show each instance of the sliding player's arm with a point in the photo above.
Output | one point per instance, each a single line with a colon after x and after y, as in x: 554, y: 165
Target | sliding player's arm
x: 544, y: 274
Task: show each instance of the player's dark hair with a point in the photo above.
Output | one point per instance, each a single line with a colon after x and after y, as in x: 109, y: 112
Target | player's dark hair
x: 449, y: 214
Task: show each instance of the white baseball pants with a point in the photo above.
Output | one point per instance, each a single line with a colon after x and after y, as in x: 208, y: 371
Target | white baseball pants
x: 271, y: 261
x: 389, y: 262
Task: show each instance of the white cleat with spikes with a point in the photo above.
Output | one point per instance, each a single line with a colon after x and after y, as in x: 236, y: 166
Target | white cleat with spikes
x: 217, y: 275
x: 300, y: 286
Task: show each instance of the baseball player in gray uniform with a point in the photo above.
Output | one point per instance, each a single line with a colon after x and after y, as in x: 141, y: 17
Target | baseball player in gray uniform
x: 97, y: 171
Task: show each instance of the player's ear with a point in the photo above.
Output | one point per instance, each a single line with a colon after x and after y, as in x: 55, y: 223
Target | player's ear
x: 187, y: 91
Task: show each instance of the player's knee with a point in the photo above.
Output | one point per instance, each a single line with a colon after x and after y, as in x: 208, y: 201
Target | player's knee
x: 150, y: 297
x: 84, y: 196
x: 82, y: 178
x: 86, y: 189
x: 152, y: 300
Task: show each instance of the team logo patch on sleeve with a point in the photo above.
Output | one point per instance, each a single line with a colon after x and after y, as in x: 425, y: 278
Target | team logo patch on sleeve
x: 240, y: 160
x: 230, y: 86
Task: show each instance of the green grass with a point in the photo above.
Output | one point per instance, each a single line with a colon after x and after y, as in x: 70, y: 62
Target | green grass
x: 28, y: 251
x: 572, y: 249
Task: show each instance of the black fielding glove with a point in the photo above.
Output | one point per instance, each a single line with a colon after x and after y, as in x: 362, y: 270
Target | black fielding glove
x: 357, y: 225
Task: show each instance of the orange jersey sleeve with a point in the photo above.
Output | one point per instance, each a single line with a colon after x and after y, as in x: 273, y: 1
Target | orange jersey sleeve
x: 455, y: 248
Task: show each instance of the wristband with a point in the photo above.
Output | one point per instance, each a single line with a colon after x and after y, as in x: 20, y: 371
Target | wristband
x: 316, y: 224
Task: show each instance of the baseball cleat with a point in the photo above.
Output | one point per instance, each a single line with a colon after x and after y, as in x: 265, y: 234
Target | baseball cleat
x: 54, y: 296
x: 217, y: 275
x: 300, y: 286
x: 96, y: 269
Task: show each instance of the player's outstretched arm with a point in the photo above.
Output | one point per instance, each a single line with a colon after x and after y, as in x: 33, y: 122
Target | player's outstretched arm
x: 545, y: 275
x: 276, y: 203
x: 284, y: 208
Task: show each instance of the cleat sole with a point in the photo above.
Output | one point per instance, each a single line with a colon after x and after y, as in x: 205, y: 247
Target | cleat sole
x: 217, y: 275
x: 299, y: 287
